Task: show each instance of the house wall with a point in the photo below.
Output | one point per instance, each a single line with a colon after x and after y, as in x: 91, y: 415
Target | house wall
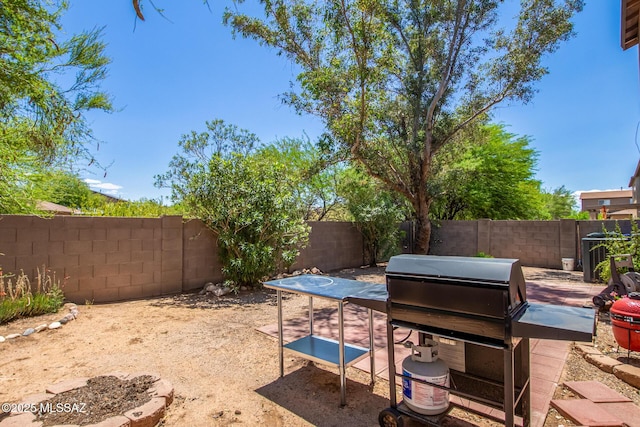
x: 104, y: 259
x: 588, y: 204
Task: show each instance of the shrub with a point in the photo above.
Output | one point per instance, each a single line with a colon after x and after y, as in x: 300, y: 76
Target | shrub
x: 19, y: 299
x: 617, y: 243
x: 483, y: 255
x: 241, y: 195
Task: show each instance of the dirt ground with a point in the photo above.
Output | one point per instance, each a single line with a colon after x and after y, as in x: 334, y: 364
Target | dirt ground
x: 223, y: 370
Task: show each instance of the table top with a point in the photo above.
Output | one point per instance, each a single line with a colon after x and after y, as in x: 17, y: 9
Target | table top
x: 333, y: 288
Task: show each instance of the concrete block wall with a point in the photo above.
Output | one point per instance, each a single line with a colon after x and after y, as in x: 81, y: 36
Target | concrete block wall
x: 459, y: 238
x: 535, y: 243
x: 96, y: 259
x: 104, y: 259
x: 200, y: 259
x: 332, y: 245
x: 112, y: 259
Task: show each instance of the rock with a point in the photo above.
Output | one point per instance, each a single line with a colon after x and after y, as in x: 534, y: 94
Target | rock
x: 296, y: 273
x: 63, y: 321
x: 2, y: 339
x: 244, y: 288
x: 55, y: 325
x: 315, y: 270
x: 75, y: 313
x: 238, y: 412
x: 221, y: 291
x: 41, y: 328
x: 28, y: 332
x: 628, y: 373
x: 69, y: 317
x: 210, y: 287
x: 12, y: 336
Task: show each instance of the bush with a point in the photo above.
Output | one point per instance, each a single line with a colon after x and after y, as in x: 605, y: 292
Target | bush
x: 241, y: 195
x: 617, y: 243
x: 483, y: 255
x: 19, y: 299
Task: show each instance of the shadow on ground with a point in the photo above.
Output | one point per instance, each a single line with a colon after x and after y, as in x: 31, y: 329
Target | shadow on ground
x: 318, y: 393
x: 197, y: 301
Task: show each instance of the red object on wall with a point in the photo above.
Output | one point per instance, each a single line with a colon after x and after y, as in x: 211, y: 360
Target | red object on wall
x: 625, y: 321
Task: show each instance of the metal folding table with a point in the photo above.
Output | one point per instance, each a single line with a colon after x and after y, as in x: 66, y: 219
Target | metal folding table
x: 321, y: 349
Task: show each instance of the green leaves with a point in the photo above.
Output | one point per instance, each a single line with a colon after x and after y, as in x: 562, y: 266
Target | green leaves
x: 396, y: 80
x: 41, y: 120
x: 243, y: 196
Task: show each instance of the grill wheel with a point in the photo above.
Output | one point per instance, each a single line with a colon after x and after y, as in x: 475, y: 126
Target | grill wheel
x: 390, y: 417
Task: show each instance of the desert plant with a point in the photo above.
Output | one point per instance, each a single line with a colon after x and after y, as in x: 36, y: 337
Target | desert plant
x: 617, y: 243
x: 239, y: 194
x: 19, y: 299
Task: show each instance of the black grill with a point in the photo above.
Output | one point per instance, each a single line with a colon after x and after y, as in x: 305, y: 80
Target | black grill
x: 481, y: 302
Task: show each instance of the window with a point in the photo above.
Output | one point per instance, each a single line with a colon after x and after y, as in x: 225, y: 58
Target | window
x: 604, y: 202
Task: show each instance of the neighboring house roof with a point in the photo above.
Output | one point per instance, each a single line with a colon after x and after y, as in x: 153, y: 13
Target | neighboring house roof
x: 629, y: 23
x: 108, y: 197
x: 609, y: 194
x: 630, y: 212
x: 635, y: 174
x: 56, y: 209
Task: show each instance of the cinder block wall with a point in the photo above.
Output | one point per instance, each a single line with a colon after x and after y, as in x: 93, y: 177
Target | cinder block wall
x: 456, y: 238
x: 535, y: 243
x: 112, y: 259
x: 200, y: 256
x: 332, y: 245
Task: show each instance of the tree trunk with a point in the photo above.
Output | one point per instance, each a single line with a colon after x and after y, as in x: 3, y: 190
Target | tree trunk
x: 423, y: 225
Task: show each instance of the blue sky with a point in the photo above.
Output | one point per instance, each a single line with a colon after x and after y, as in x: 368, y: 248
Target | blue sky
x: 168, y: 78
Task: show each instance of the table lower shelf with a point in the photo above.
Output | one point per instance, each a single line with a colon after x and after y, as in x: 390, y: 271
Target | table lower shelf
x: 325, y: 350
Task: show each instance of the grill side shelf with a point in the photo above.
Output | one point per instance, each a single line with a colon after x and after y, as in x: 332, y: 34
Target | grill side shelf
x: 555, y: 322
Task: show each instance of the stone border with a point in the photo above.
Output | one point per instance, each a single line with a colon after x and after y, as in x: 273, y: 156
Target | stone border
x: 146, y: 415
x: 627, y: 373
x: 73, y: 314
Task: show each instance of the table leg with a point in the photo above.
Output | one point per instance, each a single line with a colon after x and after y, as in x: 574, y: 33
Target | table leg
x: 280, y: 334
x: 372, y: 348
x: 311, y: 315
x: 341, y: 367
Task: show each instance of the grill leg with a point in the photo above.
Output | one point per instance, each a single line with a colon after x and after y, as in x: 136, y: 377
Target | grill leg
x: 392, y: 365
x: 526, y: 368
x: 509, y: 391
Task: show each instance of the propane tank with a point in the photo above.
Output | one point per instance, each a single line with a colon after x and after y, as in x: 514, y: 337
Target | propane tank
x: 423, y: 363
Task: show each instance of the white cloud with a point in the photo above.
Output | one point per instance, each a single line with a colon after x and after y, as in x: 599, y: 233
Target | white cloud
x: 611, y: 189
x: 103, y: 187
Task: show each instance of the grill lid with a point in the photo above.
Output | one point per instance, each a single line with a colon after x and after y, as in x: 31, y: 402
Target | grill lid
x: 498, y: 271
x: 492, y: 287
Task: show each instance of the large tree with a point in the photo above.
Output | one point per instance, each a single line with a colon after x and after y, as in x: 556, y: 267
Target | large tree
x: 396, y: 80
x: 48, y: 81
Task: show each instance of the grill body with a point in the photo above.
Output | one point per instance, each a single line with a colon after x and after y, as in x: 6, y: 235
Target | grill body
x: 481, y: 304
